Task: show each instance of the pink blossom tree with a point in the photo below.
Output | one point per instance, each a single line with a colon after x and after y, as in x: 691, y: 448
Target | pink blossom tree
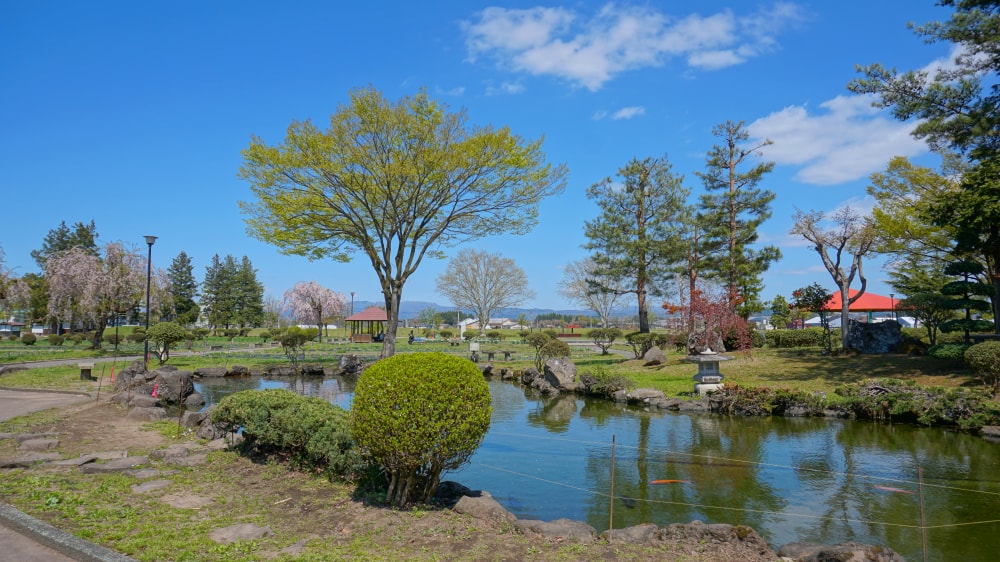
x: 89, y: 290
x: 311, y: 303
x: 14, y: 292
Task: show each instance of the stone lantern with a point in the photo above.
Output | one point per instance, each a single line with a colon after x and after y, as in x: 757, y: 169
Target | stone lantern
x: 709, y: 378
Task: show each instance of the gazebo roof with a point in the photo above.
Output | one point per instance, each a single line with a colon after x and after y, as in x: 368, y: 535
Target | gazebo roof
x: 370, y: 314
x: 868, y: 302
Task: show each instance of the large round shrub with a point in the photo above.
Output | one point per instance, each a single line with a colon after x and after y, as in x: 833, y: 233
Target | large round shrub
x: 417, y: 415
x: 984, y: 359
x: 28, y: 339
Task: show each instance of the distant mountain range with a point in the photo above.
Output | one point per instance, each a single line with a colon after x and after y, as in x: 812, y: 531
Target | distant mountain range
x: 412, y: 309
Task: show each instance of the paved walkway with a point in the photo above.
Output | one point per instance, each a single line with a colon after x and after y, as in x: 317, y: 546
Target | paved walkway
x: 24, y: 538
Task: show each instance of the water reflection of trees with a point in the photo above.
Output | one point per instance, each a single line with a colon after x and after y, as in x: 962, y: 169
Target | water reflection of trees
x: 718, y: 468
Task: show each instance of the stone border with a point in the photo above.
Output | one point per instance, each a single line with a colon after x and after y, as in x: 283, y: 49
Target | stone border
x: 60, y: 541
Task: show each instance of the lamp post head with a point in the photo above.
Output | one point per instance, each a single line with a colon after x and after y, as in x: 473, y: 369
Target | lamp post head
x: 150, y: 240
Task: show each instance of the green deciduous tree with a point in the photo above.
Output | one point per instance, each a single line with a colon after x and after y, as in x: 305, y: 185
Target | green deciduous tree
x: 483, y: 282
x: 418, y: 414
x: 930, y: 309
x: 904, y: 194
x: 638, y: 237
x: 850, y: 236
x: 781, y: 313
x: 814, y: 298
x: 733, y: 207
x: 395, y: 182
x: 184, y: 289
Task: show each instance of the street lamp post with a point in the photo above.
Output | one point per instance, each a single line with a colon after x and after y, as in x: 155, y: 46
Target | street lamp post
x: 892, y: 303
x: 352, y: 314
x: 149, y: 271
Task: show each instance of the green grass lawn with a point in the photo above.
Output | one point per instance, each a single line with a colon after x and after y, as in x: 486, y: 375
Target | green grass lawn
x: 804, y: 369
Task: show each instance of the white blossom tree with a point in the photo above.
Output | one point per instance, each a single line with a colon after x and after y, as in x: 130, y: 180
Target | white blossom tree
x: 311, y: 303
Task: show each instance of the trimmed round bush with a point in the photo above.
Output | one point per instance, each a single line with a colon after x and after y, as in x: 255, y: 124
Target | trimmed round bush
x: 56, y: 340
x: 28, y: 339
x: 984, y: 359
x: 418, y: 414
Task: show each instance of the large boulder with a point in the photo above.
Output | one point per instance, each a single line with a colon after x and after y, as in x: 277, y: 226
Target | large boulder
x: 655, y: 356
x: 133, y: 376
x: 350, y: 364
x: 559, y: 372
x: 210, y: 372
x: 484, y: 507
x: 847, y: 552
x: 173, y: 387
x: 879, y: 337
x: 563, y: 529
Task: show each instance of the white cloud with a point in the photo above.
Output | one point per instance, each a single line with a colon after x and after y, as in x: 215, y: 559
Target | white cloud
x: 504, y: 89
x: 848, y: 141
x: 629, y: 112
x: 589, y: 52
x: 457, y: 91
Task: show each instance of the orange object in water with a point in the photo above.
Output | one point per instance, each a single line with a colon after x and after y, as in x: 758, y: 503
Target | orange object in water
x: 888, y: 489
x: 670, y: 482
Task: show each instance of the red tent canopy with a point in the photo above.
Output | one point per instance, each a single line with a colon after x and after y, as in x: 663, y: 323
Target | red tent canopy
x: 868, y: 302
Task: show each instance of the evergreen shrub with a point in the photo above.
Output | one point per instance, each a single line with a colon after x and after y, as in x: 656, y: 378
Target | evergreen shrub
x: 56, y: 340
x: 809, y: 337
x: 28, y: 339
x: 310, y: 432
x: 418, y: 414
x: 947, y: 350
x: 984, y: 359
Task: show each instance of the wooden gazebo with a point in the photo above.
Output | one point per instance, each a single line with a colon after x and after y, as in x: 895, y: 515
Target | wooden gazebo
x: 367, y: 325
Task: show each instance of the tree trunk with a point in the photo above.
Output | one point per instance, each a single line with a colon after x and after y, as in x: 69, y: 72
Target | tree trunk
x: 392, y: 300
x: 845, y: 313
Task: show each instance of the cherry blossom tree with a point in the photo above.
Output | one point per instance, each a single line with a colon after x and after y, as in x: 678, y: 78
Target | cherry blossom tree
x: 311, y: 303
x: 14, y: 292
x: 85, y: 289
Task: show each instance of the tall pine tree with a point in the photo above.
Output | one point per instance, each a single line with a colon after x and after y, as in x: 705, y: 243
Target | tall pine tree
x: 638, y: 236
x: 248, y: 296
x: 63, y: 238
x: 184, y: 289
x: 733, y: 208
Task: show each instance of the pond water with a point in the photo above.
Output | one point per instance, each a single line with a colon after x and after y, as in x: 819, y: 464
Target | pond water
x: 791, y: 479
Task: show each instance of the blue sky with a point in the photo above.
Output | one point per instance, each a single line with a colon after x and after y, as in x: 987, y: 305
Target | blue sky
x: 134, y: 114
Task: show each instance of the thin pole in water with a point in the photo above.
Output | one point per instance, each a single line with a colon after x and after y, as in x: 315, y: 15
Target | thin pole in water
x: 611, y: 502
x: 923, y: 523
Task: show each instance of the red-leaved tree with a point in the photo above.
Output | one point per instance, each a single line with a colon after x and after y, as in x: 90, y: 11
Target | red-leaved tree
x: 713, y: 323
